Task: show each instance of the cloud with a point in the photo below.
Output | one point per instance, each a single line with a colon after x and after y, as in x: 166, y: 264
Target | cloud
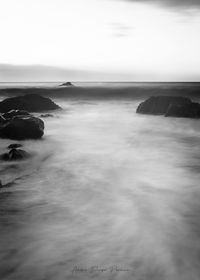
x: 185, y: 4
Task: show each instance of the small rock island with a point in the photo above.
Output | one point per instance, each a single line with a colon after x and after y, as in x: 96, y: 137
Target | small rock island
x: 67, y: 84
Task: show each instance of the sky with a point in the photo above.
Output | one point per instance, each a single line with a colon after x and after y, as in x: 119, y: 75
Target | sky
x: 152, y: 40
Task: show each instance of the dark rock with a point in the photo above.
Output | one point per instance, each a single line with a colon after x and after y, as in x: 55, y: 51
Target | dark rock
x: 14, y: 146
x: 22, y: 127
x: 158, y: 105
x: 46, y: 115
x: 15, y: 154
x: 191, y: 110
x: 67, y: 84
x: 29, y: 102
x: 12, y: 113
x: 2, y: 119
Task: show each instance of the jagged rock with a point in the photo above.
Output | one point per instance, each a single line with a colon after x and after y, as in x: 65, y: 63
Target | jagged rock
x: 67, y: 84
x: 22, y: 127
x: 158, y: 105
x: 14, y: 146
x: 15, y: 154
x: 29, y: 102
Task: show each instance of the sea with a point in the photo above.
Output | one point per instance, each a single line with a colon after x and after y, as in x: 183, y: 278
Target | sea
x: 107, y: 194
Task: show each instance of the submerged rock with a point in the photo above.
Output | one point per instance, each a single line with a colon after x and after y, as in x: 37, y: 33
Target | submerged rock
x: 67, y: 84
x: 22, y: 127
x: 14, y: 146
x: 15, y: 154
x: 29, y: 102
x: 159, y: 105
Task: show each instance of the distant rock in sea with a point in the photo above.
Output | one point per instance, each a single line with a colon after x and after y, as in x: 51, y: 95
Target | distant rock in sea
x: 22, y: 127
x: 67, y: 84
x: 170, y: 106
x: 29, y: 102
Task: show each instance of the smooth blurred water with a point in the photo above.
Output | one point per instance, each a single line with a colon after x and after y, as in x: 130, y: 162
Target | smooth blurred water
x: 56, y: 84
x: 107, y: 194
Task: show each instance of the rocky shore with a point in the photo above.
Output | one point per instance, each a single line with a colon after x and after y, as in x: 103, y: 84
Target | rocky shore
x: 17, y: 123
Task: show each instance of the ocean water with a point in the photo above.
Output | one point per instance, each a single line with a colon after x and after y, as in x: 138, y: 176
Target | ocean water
x: 107, y: 194
x: 56, y: 84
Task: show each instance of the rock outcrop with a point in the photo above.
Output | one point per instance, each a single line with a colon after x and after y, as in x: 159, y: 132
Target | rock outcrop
x: 13, y: 113
x: 191, y: 110
x: 2, y: 120
x: 170, y: 106
x: 22, y: 127
x: 29, y: 103
x: 159, y: 105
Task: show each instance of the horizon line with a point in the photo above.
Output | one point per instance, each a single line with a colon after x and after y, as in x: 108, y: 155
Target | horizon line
x: 28, y: 82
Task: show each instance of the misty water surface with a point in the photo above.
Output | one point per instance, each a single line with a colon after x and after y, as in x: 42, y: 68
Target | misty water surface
x: 107, y: 194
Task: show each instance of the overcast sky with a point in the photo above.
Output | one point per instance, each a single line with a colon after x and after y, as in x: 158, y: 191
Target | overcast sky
x: 143, y: 40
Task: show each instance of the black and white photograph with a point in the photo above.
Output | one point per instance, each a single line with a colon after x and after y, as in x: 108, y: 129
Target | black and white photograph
x: 99, y: 139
